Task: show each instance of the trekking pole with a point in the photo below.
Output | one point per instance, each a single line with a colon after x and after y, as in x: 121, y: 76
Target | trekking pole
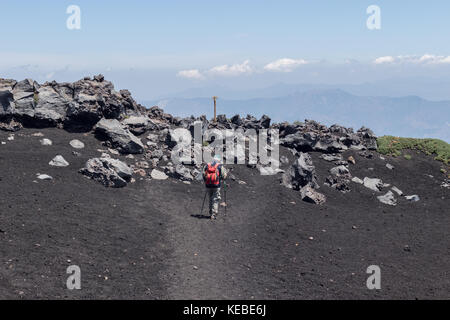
x: 203, y: 205
x: 225, y: 195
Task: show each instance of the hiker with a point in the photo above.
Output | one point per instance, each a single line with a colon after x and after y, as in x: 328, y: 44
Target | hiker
x: 213, y: 175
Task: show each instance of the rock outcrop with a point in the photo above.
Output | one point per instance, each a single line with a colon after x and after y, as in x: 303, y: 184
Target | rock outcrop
x: 76, y: 106
x: 127, y: 128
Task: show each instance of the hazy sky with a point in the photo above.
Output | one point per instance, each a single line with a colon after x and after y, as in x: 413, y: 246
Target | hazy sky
x: 156, y: 47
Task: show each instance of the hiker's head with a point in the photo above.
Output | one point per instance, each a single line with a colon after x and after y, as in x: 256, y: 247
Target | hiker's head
x: 217, y: 158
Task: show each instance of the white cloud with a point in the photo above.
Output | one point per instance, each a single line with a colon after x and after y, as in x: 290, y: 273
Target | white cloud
x: 233, y: 70
x: 386, y: 59
x: 190, y: 74
x: 424, y: 59
x: 285, y: 65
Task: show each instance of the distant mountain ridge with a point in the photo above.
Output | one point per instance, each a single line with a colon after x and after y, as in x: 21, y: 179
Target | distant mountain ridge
x: 409, y: 116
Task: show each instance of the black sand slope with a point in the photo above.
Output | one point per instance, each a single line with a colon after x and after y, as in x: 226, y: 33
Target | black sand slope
x: 149, y: 240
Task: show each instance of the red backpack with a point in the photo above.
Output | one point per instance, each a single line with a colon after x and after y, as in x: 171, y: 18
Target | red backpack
x: 212, y: 175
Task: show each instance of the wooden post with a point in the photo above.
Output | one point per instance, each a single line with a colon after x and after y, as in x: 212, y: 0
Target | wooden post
x: 215, y: 108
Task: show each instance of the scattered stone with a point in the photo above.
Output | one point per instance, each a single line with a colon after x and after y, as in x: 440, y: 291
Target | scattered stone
x: 113, y: 151
x: 140, y: 172
x: 37, y: 134
x: 76, y: 153
x: 388, y: 199
x: 351, y: 160
x: 158, y: 175
x: 413, y: 198
x: 46, y: 142
x: 366, y: 154
x: 331, y: 157
x: 77, y: 144
x: 390, y: 166
x: 10, y: 138
x: 143, y: 165
x: 44, y: 177
x: 373, y: 184
x: 58, y: 161
x: 397, y: 190
x: 357, y: 180
x: 309, y: 194
x: 340, y: 171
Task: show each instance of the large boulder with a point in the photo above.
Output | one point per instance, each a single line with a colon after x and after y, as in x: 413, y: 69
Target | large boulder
x: 329, y: 143
x: 368, y: 138
x: 138, y: 124
x: 123, y: 140
x: 7, y: 104
x: 302, y: 141
x: 109, y: 172
x: 264, y: 122
x: 24, y: 98
x: 52, y: 103
x: 301, y: 173
x: 236, y: 120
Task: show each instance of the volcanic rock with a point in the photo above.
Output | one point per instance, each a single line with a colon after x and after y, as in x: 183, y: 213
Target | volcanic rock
x: 109, y: 172
x: 112, y: 131
x: 301, y: 173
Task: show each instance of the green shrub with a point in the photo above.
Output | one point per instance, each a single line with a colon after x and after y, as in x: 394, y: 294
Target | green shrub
x: 407, y: 157
x: 395, y: 145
